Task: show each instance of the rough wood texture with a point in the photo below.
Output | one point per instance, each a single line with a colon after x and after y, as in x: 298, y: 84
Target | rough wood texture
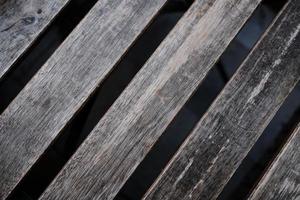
x: 225, y: 134
x: 129, y: 129
x: 21, y: 22
x: 282, y: 180
x: 64, y: 83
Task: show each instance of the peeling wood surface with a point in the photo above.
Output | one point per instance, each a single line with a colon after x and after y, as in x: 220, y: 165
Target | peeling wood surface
x: 133, y: 124
x: 225, y: 134
x: 282, y: 180
x: 37, y: 115
x: 21, y: 22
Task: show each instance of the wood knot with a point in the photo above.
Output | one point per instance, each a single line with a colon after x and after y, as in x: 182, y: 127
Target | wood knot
x: 29, y: 20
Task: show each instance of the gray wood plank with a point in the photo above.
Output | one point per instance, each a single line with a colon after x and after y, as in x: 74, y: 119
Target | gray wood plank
x: 21, y: 22
x: 129, y: 129
x: 222, y: 138
x: 282, y: 180
x: 38, y: 114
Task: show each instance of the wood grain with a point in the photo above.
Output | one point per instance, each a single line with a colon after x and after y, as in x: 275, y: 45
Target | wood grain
x: 21, y: 22
x: 134, y: 123
x: 225, y: 134
x: 38, y: 114
x: 282, y: 180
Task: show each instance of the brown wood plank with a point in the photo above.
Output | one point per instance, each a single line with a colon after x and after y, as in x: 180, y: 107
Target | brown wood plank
x: 282, y: 180
x: 129, y: 129
x: 225, y: 134
x: 38, y: 114
x: 21, y: 22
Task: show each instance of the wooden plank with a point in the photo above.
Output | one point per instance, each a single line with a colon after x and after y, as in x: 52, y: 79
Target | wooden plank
x: 64, y: 83
x: 129, y: 129
x: 225, y: 134
x: 21, y: 22
x: 282, y: 180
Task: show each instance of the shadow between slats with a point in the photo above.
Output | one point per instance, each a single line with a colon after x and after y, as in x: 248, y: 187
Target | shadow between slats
x: 34, y: 58
x: 217, y: 166
x: 191, y: 113
x: 265, y: 150
x: 52, y: 161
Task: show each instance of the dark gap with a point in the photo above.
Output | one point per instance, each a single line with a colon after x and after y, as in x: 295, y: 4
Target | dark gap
x: 265, y: 150
x: 193, y: 110
x: 270, y: 142
x: 32, y: 60
x: 60, y: 151
x: 169, y: 142
x: 276, y: 5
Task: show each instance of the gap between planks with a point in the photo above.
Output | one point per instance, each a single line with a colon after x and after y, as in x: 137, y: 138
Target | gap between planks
x: 21, y: 22
x: 210, y: 155
x: 64, y: 83
x: 282, y: 180
x: 136, y: 120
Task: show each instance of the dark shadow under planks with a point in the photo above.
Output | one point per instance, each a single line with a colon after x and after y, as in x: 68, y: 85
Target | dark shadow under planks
x: 43, y: 47
x: 58, y: 153
x: 282, y: 180
x: 181, y: 126
x: 60, y: 88
x: 21, y: 22
x: 135, y: 121
x: 225, y: 134
x: 142, y: 178
x: 265, y: 149
x: 257, y: 159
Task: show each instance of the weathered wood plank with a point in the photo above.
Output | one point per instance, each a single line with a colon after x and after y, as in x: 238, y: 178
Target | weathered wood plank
x: 21, y: 22
x: 129, y: 129
x: 225, y: 134
x: 64, y: 83
x: 282, y: 180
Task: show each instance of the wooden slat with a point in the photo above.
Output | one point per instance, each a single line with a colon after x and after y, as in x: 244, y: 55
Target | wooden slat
x: 225, y: 134
x: 282, y: 180
x: 21, y: 22
x: 65, y: 82
x: 129, y: 129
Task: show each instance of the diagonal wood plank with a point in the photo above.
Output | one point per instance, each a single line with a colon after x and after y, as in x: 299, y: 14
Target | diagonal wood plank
x: 282, y: 180
x: 65, y: 82
x: 225, y: 134
x: 129, y: 129
x: 21, y: 22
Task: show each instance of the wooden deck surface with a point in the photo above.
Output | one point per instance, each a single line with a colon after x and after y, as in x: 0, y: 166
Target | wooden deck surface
x: 149, y: 103
x: 223, y: 137
x: 21, y: 22
x: 117, y: 145
x: 63, y: 84
x: 281, y: 181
